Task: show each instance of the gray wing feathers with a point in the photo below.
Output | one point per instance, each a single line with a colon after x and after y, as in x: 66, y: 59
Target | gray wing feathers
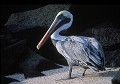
x: 96, y: 49
x: 72, y: 51
x: 75, y: 50
x: 96, y: 45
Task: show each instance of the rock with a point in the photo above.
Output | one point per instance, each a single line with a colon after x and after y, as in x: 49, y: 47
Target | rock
x: 42, y: 17
x: 107, y: 34
x: 8, y: 9
x: 5, y: 80
x: 112, y: 58
x: 116, y: 79
x: 34, y: 64
x: 11, y: 54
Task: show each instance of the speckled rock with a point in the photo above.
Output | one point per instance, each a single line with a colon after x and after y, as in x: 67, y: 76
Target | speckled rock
x: 42, y: 17
x: 107, y: 34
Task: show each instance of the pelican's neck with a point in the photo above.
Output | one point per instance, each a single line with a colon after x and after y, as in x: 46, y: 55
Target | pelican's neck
x: 56, y: 35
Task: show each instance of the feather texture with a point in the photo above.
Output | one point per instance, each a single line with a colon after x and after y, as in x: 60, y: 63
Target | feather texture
x: 83, y: 51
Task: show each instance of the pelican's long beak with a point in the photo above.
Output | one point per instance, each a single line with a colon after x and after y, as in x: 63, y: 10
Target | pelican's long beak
x: 48, y: 33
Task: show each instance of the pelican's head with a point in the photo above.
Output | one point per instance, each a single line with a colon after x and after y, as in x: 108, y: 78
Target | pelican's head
x: 64, y: 14
x: 63, y: 18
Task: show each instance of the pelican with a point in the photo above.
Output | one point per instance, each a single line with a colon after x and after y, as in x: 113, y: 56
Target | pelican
x: 84, y: 51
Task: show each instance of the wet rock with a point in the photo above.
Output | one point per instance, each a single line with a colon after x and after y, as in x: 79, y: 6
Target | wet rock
x: 34, y: 64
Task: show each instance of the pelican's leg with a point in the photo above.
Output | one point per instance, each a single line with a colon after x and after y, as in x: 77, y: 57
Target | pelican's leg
x: 69, y: 74
x: 84, y: 72
x: 70, y: 71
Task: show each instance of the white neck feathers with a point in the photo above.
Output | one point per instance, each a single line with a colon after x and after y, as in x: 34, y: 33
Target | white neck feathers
x: 56, y: 35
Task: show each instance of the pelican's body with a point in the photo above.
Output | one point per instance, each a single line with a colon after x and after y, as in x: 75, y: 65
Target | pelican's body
x: 78, y: 50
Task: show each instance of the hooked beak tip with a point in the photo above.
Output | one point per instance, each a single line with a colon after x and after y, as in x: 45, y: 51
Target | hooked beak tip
x: 38, y: 47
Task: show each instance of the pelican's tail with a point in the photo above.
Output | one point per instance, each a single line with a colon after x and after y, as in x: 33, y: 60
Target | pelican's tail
x: 97, y: 68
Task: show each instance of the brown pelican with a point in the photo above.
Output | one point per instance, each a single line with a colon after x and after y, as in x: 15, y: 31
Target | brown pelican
x: 78, y: 50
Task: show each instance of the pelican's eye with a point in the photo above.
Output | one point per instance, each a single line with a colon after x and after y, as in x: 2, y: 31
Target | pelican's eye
x: 66, y: 14
x: 61, y: 16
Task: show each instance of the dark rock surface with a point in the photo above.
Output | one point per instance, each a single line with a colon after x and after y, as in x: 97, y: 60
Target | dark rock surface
x: 42, y: 17
x: 34, y: 64
x: 107, y: 33
x: 5, y: 80
x: 112, y: 58
x: 12, y: 51
x: 116, y: 79
x: 8, y: 9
